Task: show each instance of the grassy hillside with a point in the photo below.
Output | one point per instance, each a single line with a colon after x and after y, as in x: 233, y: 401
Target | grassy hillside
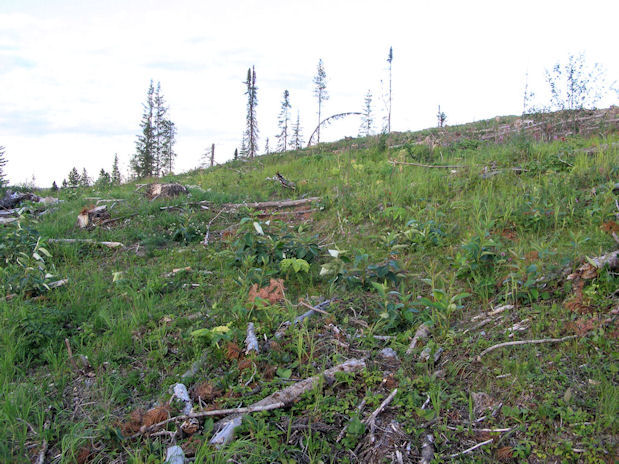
x: 479, y: 253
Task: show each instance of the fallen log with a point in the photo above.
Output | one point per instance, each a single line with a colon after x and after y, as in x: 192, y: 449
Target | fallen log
x: 284, y: 397
x: 272, y: 204
x: 86, y: 240
x: 439, y: 166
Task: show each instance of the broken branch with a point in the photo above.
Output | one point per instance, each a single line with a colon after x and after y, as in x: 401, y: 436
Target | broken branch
x: 284, y: 397
x: 525, y: 342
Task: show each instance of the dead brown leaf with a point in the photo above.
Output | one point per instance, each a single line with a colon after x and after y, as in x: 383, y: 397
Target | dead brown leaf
x: 244, y: 364
x: 505, y: 453
x: 206, y: 391
x: 273, y: 293
x: 610, y: 227
x: 83, y: 455
x: 233, y: 351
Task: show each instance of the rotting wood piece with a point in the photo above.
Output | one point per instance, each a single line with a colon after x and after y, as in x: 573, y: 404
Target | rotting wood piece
x: 92, y: 217
x: 286, y: 396
x: 86, y: 240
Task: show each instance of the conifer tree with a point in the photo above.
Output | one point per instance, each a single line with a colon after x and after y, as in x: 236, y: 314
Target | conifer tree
x: 74, y: 177
x: 115, y: 171
x: 389, y: 60
x: 283, y: 122
x: 64, y: 183
x: 54, y: 187
x: 236, y: 154
x: 168, y: 139
x: 366, y: 117
x: 251, y: 130
x: 296, y: 141
x: 104, y: 178
x: 143, y: 162
x: 267, y: 149
x: 3, y: 181
x: 320, y: 91
x: 85, y: 180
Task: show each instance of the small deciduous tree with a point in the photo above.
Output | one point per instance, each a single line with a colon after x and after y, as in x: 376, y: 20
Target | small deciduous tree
x: 575, y: 85
x: 283, y: 123
x: 320, y: 92
x: 367, y: 120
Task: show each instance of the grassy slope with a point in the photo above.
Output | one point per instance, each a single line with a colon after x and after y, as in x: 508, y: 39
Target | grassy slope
x: 507, y: 239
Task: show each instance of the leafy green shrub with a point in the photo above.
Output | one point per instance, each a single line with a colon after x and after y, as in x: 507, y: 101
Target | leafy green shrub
x: 40, y: 328
x: 420, y: 152
x: 271, y: 243
x: 358, y: 273
x: 23, y: 261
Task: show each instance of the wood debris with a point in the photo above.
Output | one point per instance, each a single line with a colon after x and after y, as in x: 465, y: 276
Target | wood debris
x: 286, y: 396
x: 525, y: 342
x: 86, y: 240
x: 92, y: 217
x: 157, y: 190
x: 283, y: 181
x: 251, y: 341
x: 423, y: 331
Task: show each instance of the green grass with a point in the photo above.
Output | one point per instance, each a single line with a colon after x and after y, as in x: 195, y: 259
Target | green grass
x: 417, y: 245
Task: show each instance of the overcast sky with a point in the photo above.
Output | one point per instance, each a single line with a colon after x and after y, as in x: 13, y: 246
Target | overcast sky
x: 74, y: 74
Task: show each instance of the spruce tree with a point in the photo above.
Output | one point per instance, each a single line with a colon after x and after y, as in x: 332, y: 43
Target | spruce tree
x: 320, y: 91
x: 389, y: 60
x: 85, y: 180
x: 115, y: 171
x: 251, y: 130
x: 283, y: 122
x: 64, y: 183
x: 54, y: 187
x: 267, y: 149
x: 236, y: 154
x: 296, y: 141
x: 74, y: 177
x: 168, y: 139
x: 3, y: 181
x: 366, y: 116
x: 143, y: 162
x: 104, y: 179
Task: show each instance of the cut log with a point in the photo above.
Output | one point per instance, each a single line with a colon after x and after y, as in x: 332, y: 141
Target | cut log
x: 286, y: 396
x: 164, y: 190
x: 92, y: 217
